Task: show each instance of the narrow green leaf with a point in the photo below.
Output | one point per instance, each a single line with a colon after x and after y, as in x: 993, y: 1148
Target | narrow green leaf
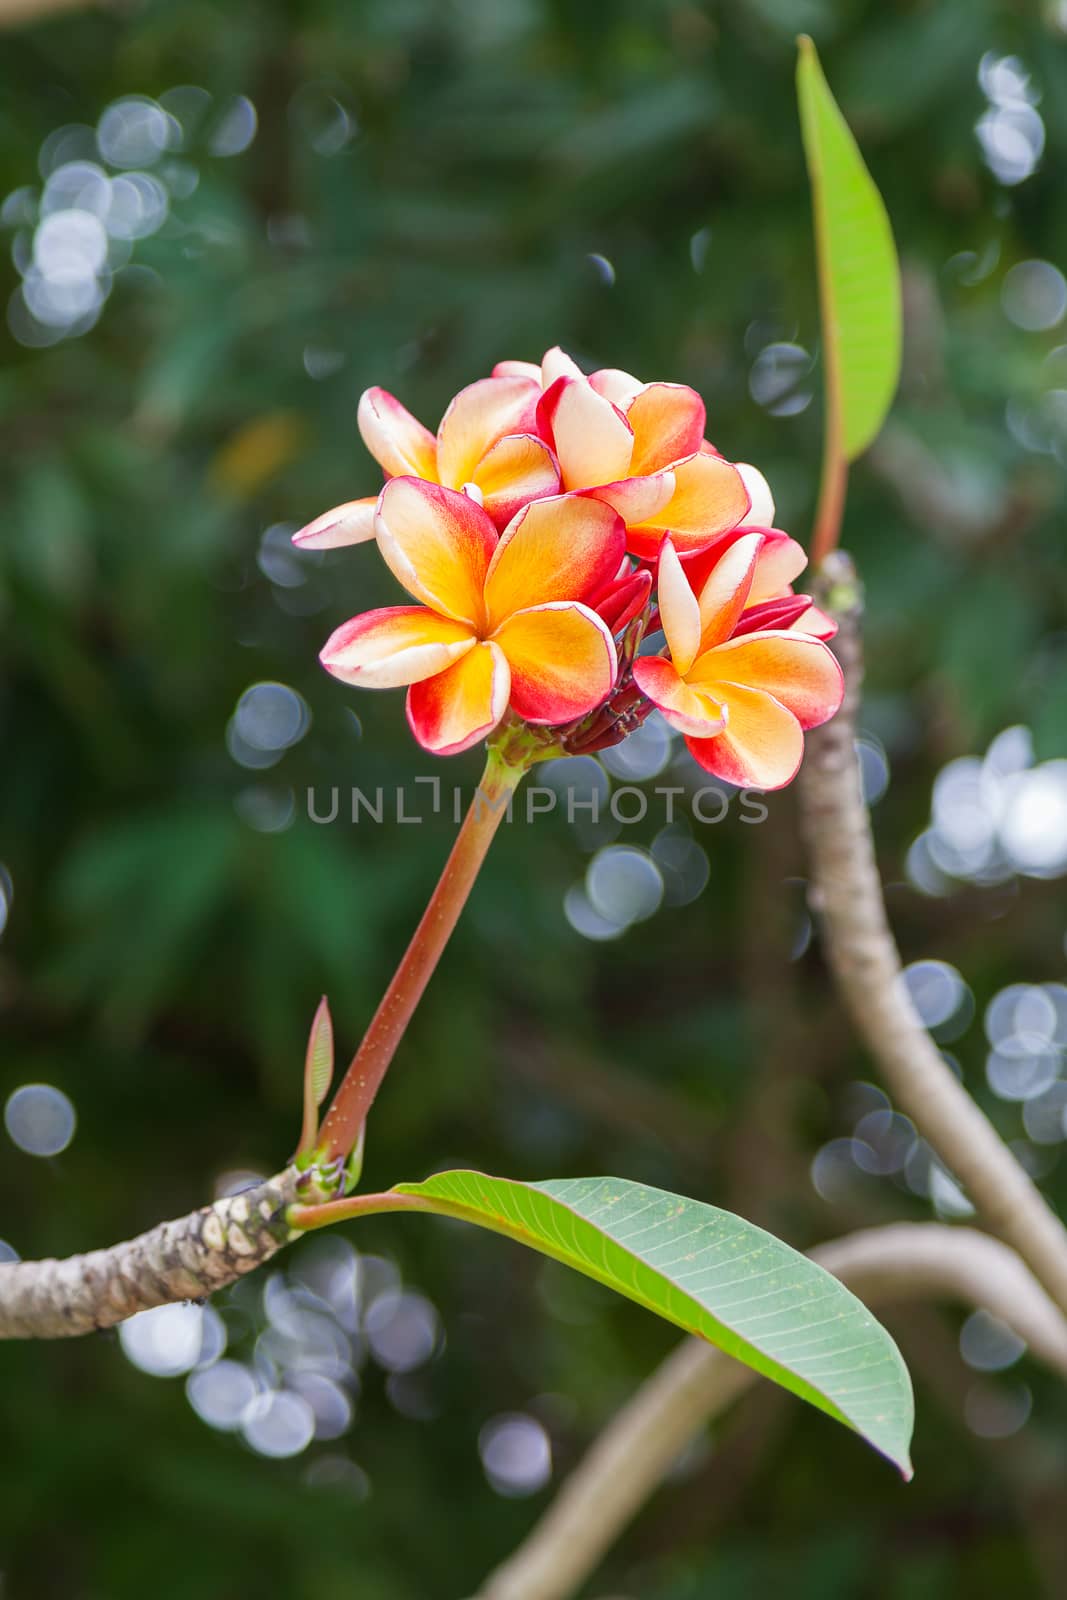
x: 859, y: 279
x: 318, y: 1073
x: 712, y: 1274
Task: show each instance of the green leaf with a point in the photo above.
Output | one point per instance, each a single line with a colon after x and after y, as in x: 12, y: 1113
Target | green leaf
x: 712, y: 1274
x: 859, y: 279
x: 318, y: 1073
x: 319, y: 1065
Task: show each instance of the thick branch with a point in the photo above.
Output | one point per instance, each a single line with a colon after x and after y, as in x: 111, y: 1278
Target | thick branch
x: 181, y: 1260
x: 696, y: 1382
x: 846, y: 892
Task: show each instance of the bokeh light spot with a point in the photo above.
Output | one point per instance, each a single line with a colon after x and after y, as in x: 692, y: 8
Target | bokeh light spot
x: 222, y: 1394
x: 1034, y: 295
x: 516, y: 1454
x: 403, y: 1330
x: 278, y: 1423
x: 624, y: 885
x: 164, y: 1342
x: 271, y: 716
x: 987, y: 1344
x: 40, y: 1119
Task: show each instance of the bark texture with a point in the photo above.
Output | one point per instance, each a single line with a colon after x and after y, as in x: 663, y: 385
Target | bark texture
x: 186, y: 1259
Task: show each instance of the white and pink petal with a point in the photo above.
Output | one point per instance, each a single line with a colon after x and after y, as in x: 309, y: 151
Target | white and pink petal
x: 621, y: 388
x: 760, y: 513
x: 727, y: 588
x: 556, y: 363
x: 591, y: 437
x: 781, y: 562
x: 518, y: 369
x: 397, y: 440
x: 394, y: 646
x: 351, y: 523
x: 679, y: 609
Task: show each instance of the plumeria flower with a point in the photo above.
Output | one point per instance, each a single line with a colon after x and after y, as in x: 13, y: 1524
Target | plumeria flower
x: 503, y: 620
x: 742, y: 698
x: 771, y: 602
x: 640, y: 447
x: 487, y: 444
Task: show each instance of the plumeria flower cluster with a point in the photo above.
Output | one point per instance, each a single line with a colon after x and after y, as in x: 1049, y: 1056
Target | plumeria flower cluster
x: 553, y: 524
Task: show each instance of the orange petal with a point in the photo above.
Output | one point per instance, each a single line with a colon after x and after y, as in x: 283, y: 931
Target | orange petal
x: 562, y: 548
x: 438, y: 543
x: 463, y: 705
x: 592, y: 438
x: 760, y: 513
x: 562, y: 661
x: 394, y: 646
x: 517, y: 469
x: 691, y: 711
x: 518, y: 369
x: 558, y: 364
x: 352, y: 523
x: 709, y: 499
x: 761, y: 746
x: 727, y: 589
x: 678, y: 609
x: 636, y: 499
x: 796, y: 669
x: 481, y: 414
x: 615, y: 385
x: 397, y: 440
x: 668, y: 423
x: 781, y: 560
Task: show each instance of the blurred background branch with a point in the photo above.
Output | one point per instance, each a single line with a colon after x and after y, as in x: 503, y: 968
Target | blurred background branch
x: 17, y: 13
x: 846, y: 895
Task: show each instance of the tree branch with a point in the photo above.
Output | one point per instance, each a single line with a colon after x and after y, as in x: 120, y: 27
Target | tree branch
x: 846, y: 892
x: 16, y: 13
x: 631, y: 1457
x: 181, y: 1260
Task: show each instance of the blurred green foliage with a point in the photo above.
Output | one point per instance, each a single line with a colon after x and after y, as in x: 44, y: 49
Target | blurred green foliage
x: 426, y: 191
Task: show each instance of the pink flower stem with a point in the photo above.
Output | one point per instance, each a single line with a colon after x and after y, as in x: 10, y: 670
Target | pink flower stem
x: 347, y: 1114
